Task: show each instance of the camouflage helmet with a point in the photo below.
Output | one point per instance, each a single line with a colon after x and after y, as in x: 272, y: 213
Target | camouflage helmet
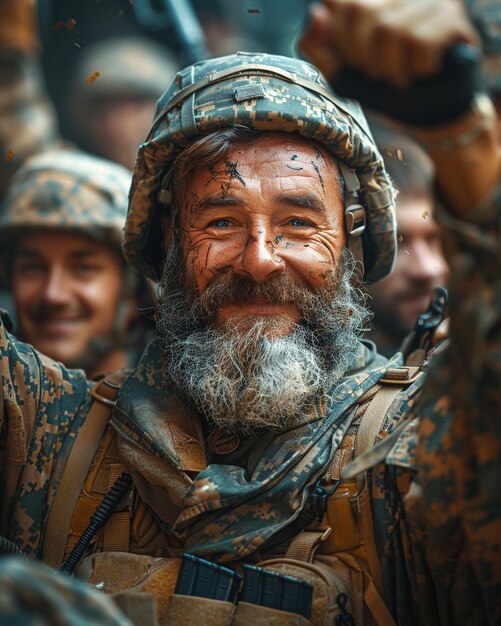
x: 266, y: 93
x: 66, y: 190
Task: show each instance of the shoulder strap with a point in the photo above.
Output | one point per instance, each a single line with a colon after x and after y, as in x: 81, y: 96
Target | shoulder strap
x: 394, y: 380
x: 369, y: 418
x: 368, y: 421
x: 77, y: 467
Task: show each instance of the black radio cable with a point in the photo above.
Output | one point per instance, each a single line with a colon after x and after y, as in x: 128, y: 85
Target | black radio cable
x: 98, y: 519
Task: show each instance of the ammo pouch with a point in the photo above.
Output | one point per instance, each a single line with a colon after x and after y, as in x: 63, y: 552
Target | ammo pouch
x: 342, y: 565
x: 144, y: 588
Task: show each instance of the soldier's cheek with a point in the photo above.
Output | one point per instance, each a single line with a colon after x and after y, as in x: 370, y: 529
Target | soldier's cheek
x: 211, y: 258
x: 316, y: 258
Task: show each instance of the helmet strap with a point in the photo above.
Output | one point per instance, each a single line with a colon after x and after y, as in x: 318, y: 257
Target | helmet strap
x: 354, y: 217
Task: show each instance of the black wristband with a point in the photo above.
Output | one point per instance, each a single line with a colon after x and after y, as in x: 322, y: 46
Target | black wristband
x: 431, y: 102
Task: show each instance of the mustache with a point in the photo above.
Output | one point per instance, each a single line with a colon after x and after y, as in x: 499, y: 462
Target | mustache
x: 281, y: 289
x: 42, y: 311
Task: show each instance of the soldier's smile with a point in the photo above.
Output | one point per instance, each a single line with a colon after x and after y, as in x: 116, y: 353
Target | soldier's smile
x: 260, y: 220
x: 66, y: 288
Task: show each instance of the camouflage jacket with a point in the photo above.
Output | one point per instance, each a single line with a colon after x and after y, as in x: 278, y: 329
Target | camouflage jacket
x: 449, y: 454
x: 225, y: 512
x: 161, y: 443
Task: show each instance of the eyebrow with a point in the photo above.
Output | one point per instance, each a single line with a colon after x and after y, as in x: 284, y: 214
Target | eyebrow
x: 216, y: 200
x: 77, y: 254
x: 304, y: 200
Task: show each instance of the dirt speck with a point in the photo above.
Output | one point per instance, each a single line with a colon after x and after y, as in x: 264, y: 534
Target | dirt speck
x: 93, y: 77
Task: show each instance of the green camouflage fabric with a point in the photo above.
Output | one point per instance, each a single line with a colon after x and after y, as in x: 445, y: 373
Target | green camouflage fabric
x: 265, y: 93
x: 67, y: 190
x: 231, y: 508
x: 42, y: 407
x: 34, y: 595
x: 28, y: 121
x: 449, y: 453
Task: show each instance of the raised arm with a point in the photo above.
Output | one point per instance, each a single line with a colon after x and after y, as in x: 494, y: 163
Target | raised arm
x: 28, y: 123
x: 400, y: 48
x: 458, y: 452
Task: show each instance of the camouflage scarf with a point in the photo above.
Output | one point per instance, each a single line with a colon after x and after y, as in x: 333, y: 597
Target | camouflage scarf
x: 220, y: 511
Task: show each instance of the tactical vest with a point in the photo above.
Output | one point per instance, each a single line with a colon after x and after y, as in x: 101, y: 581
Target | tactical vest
x: 336, y: 553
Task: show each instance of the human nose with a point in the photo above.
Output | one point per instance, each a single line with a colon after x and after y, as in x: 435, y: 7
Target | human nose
x: 426, y: 263
x: 259, y: 260
x: 56, y: 289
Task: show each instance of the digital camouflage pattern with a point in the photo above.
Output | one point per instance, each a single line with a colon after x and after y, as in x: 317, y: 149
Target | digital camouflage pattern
x: 235, y: 503
x: 161, y: 443
x: 459, y: 451
x: 67, y: 190
x: 447, y: 459
x: 266, y: 93
x: 42, y: 408
x: 33, y: 595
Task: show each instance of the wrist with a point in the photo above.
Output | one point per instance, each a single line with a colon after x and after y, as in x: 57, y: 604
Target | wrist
x: 467, y: 156
x: 18, y: 27
x: 461, y: 133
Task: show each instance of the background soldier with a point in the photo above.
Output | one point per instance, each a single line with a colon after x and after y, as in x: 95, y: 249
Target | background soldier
x: 238, y: 198
x: 111, y: 116
x: 60, y: 232
x: 401, y: 297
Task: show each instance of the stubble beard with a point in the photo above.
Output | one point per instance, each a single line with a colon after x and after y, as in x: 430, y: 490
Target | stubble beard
x: 257, y: 372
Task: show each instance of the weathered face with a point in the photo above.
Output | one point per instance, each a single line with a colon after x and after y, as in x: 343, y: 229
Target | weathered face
x: 420, y: 267
x: 267, y: 209
x: 66, y: 289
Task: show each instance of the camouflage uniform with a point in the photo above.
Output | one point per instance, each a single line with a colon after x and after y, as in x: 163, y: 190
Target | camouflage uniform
x: 459, y: 450
x: 69, y: 190
x: 30, y: 595
x: 226, y: 507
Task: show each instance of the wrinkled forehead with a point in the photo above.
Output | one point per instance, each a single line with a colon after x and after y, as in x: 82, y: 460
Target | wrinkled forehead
x: 267, y: 155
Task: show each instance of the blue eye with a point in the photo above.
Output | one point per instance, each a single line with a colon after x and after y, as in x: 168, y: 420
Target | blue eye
x: 221, y: 223
x: 298, y: 223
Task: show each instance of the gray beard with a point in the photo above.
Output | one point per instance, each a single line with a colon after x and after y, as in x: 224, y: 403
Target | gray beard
x: 245, y: 375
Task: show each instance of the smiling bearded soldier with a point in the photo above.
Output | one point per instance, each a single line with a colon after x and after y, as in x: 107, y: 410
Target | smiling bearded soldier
x: 259, y: 201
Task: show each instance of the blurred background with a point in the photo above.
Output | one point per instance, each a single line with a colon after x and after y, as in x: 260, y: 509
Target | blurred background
x: 104, y: 63
x: 69, y: 28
